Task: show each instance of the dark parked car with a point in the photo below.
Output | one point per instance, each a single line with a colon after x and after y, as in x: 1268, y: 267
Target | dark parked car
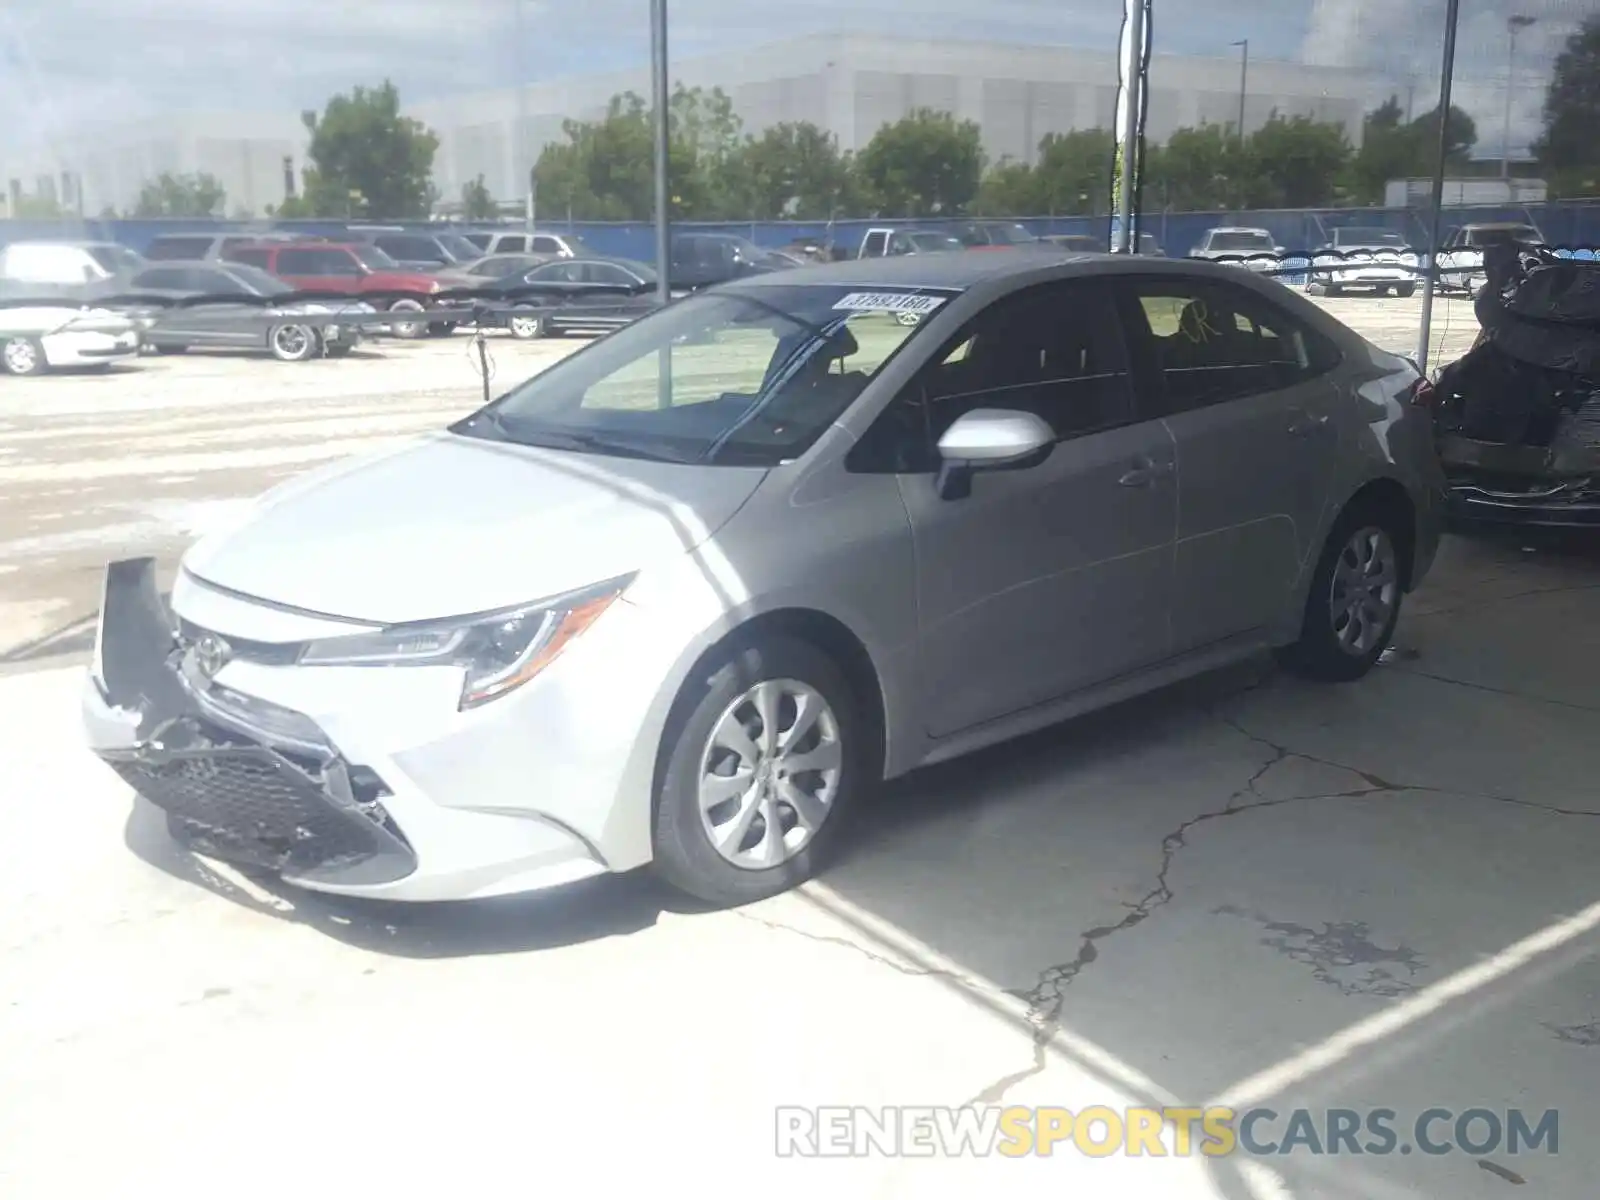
x: 242, y: 325
x: 579, y: 295
x: 489, y: 268
x: 420, y: 250
x: 1518, y: 417
x: 706, y: 259
x: 979, y: 234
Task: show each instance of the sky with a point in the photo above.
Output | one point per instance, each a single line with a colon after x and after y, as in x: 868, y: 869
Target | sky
x: 65, y: 64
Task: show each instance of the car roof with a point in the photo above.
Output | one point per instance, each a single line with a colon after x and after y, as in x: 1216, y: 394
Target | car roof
x: 967, y: 269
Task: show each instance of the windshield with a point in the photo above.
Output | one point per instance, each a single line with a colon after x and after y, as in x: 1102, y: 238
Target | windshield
x: 373, y: 258
x: 1366, y: 237
x: 743, y: 378
x: 1010, y: 234
x: 258, y: 281
x: 458, y: 246
x: 1242, y: 241
x: 116, y: 259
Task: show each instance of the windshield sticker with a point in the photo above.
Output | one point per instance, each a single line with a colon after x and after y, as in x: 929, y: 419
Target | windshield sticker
x: 888, y: 302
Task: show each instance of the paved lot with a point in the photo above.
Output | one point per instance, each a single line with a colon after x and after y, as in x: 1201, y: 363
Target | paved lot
x: 1246, y: 890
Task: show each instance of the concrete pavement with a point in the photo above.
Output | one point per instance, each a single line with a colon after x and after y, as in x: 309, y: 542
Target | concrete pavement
x: 1246, y: 890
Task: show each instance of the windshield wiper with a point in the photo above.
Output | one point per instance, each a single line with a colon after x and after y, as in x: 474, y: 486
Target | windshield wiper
x: 584, y: 443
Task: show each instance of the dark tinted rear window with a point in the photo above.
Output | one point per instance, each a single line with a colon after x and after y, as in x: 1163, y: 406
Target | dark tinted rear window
x: 171, y: 248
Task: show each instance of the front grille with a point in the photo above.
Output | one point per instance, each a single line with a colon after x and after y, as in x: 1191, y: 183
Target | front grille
x: 249, y: 803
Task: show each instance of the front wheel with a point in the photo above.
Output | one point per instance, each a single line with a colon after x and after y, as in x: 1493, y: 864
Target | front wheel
x: 762, y: 764
x: 1354, y: 602
x: 527, y: 327
x: 1405, y: 290
x: 293, y: 343
x: 24, y: 356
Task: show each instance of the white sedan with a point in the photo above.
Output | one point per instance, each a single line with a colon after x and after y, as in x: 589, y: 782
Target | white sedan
x: 40, y: 338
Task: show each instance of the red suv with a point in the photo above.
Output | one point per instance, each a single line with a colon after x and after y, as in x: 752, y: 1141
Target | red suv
x: 355, y: 270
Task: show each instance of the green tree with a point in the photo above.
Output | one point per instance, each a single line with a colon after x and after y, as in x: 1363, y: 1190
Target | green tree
x: 1199, y: 168
x: 1074, y: 172
x: 709, y: 171
x: 1296, y: 162
x: 925, y: 164
x: 368, y: 160
x: 796, y: 170
x: 1009, y: 189
x: 1393, y: 148
x: 603, y: 171
x: 476, y: 202
x: 1569, y: 148
x: 169, y: 195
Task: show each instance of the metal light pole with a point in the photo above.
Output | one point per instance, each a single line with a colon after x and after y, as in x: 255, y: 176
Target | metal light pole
x: 1514, y: 25
x: 1132, y: 98
x: 1244, y: 80
x: 663, y: 117
x: 1446, y: 80
x: 521, y: 168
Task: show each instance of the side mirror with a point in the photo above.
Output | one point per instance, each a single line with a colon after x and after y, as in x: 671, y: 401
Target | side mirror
x: 990, y: 439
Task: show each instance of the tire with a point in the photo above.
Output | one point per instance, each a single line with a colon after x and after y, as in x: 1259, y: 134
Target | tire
x: 409, y: 330
x: 685, y: 856
x: 441, y: 329
x: 24, y: 356
x: 1316, y: 287
x: 1405, y: 290
x: 1331, y: 647
x: 170, y: 349
x: 527, y: 328
x: 293, y: 343
x: 338, y: 349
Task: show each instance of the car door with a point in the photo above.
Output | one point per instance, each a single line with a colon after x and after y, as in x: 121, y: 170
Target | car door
x: 320, y: 270
x: 231, y: 325
x: 1046, y: 580
x: 1246, y: 391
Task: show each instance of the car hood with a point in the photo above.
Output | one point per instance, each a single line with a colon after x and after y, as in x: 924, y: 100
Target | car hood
x: 451, y: 525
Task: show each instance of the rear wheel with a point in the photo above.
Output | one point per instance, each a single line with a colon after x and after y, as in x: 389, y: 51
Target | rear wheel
x: 24, y: 356
x: 293, y: 343
x: 408, y: 329
x: 762, y: 765
x: 1354, y: 603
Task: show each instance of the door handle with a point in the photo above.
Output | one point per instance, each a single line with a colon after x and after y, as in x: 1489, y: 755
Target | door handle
x: 1145, y: 472
x: 1307, y: 425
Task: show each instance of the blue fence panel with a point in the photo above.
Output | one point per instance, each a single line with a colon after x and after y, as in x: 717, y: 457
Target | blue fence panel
x: 1576, y: 224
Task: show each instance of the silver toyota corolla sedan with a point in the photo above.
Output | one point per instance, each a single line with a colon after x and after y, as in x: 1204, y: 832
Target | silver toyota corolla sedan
x: 687, y: 595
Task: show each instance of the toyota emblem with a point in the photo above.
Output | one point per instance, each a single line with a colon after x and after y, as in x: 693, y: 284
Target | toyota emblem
x: 211, y: 654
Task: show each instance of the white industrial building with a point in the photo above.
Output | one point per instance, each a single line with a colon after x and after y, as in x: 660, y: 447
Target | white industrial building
x: 849, y: 84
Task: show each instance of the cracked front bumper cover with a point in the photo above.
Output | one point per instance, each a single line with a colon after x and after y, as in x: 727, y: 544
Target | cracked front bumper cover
x: 263, y: 792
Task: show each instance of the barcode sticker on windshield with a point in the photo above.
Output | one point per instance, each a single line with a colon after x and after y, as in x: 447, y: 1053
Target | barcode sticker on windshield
x: 891, y: 302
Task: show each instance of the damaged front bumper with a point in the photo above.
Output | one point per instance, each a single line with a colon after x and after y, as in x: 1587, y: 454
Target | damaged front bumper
x: 239, y: 779
x: 1523, y: 485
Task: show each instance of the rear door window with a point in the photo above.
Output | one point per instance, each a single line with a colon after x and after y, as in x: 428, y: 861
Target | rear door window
x: 173, y: 248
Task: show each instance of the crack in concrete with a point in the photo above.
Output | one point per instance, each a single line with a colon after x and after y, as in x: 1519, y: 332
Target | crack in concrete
x: 1495, y: 691
x: 828, y: 939
x: 1587, y: 1036
x: 1047, y: 997
x: 1481, y: 602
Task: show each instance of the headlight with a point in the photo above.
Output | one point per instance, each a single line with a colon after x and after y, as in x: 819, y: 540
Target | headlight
x: 498, y: 651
